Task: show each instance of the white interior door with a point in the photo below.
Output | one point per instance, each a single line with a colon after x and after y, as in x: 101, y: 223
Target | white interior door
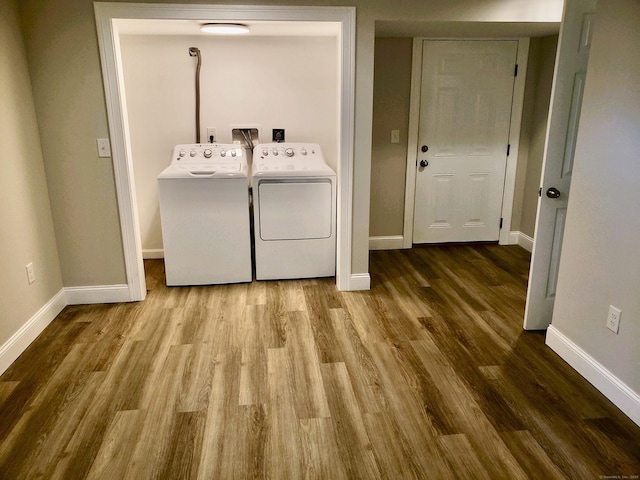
x: 465, y: 112
x: 562, y: 130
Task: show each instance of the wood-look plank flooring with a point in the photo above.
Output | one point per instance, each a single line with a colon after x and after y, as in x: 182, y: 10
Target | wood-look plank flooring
x: 428, y: 375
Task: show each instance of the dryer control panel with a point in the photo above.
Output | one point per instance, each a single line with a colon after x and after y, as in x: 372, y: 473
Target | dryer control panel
x: 287, y: 150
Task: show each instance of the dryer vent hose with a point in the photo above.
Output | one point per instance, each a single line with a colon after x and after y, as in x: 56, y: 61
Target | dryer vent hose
x: 195, y: 52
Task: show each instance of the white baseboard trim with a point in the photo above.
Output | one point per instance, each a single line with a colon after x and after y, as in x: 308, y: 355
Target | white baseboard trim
x: 522, y: 239
x: 525, y: 241
x: 359, y: 281
x: 97, y: 294
x: 392, y: 242
x: 20, y: 340
x: 611, y: 386
x: 153, y: 253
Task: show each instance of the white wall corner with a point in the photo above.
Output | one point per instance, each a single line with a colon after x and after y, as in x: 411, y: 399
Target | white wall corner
x: 359, y: 281
x: 611, y: 386
x: 391, y: 242
x: 20, y: 340
x: 97, y: 294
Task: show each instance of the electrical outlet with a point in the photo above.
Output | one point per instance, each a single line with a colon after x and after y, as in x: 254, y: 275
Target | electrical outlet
x: 613, y: 319
x: 211, y: 135
x: 30, y: 275
x: 277, y: 135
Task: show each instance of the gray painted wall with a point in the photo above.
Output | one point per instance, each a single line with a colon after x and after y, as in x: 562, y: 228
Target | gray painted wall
x: 26, y: 225
x: 600, y: 262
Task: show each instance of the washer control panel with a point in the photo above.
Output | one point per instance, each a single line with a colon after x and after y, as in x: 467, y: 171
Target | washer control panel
x: 287, y: 150
x: 207, y: 152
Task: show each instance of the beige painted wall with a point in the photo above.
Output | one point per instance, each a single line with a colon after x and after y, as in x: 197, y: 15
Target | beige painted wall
x: 62, y: 50
x: 391, y: 100
x: 25, y: 214
x: 60, y: 37
x: 600, y: 262
x: 537, y: 95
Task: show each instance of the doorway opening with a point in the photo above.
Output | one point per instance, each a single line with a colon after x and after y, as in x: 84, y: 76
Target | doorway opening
x: 511, y: 143
x: 112, y: 19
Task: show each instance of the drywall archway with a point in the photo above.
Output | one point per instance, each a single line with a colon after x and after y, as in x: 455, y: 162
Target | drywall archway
x: 107, y: 16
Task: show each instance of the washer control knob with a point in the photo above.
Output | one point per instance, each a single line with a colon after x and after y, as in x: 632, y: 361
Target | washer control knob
x: 233, y: 153
x: 288, y: 152
x: 303, y: 151
x: 223, y: 153
x: 207, y: 153
x: 275, y: 151
x: 265, y: 152
x: 182, y: 153
x: 192, y: 153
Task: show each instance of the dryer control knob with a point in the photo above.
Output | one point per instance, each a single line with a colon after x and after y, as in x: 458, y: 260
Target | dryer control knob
x: 223, y: 153
x: 192, y: 153
x: 233, y: 153
x: 182, y: 153
x: 275, y: 152
x: 207, y: 153
x: 303, y: 151
x: 265, y: 152
x: 288, y: 152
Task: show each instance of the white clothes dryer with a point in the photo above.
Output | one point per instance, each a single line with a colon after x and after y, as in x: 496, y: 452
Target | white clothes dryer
x: 294, y: 212
x: 204, y: 211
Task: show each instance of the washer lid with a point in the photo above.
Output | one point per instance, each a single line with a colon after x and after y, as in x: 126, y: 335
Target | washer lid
x: 204, y: 170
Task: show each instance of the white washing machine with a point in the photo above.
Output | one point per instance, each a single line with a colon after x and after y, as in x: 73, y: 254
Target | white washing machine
x: 204, y: 211
x: 294, y: 212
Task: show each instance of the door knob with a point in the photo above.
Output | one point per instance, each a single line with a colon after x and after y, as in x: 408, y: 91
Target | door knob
x: 424, y: 148
x: 424, y: 163
x: 553, y: 192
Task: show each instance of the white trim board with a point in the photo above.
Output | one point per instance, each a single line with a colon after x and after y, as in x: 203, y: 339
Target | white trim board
x: 611, y: 386
x: 107, y: 15
x: 360, y: 281
x: 508, y: 194
x: 19, y: 341
x: 391, y: 242
x: 522, y: 239
x: 97, y: 294
x: 153, y: 253
x: 396, y: 242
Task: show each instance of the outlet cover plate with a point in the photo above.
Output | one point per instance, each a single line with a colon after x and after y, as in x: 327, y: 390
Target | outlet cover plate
x: 277, y: 135
x: 613, y: 319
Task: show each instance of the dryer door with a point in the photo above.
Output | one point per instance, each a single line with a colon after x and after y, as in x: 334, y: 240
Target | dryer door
x: 295, y: 210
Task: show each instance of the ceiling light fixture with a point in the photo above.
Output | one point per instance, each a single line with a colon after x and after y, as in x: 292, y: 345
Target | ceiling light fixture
x: 225, y: 28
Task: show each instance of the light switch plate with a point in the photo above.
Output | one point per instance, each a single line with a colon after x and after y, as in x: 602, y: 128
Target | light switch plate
x: 104, y: 149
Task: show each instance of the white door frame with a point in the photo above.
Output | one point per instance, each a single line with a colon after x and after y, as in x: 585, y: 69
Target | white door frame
x: 514, y: 137
x: 107, y: 15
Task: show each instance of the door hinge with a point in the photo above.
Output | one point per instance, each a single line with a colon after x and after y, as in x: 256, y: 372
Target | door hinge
x: 515, y: 71
x: 508, y: 149
x: 501, y: 223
